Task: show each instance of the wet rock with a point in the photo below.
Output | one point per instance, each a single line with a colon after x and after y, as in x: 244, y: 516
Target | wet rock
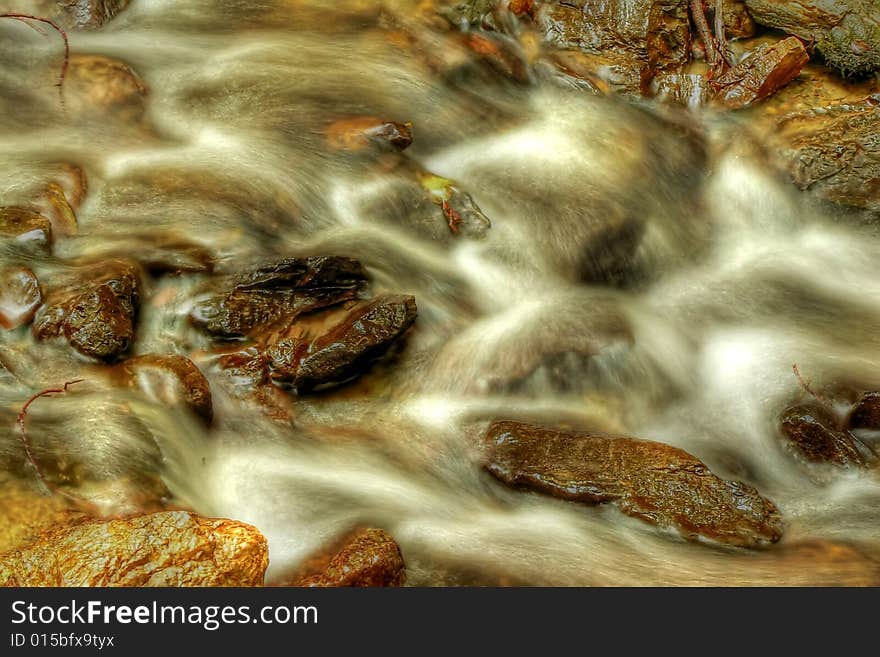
x: 658, y: 483
x: 344, y: 352
x: 813, y: 433
x: 846, y: 32
x: 161, y: 549
x: 738, y: 22
x: 25, y: 225
x: 833, y: 151
x: 20, y: 296
x: 281, y: 290
x: 865, y: 414
x: 763, y: 71
x: 95, y: 82
x: 170, y: 380
x: 358, y: 133
x: 369, y: 558
x: 87, y: 14
x: 95, y: 312
x: 653, y: 35
x: 460, y: 213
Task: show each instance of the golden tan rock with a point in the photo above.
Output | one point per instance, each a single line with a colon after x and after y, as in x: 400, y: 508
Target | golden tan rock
x: 763, y: 71
x: 101, y: 84
x: 174, y: 548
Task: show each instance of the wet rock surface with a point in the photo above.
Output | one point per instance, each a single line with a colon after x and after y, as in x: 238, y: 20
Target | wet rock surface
x: 763, y: 71
x: 846, y: 32
x: 833, y: 152
x: 282, y: 290
x: 359, y: 133
x: 865, y: 413
x: 364, y: 335
x: 87, y: 14
x: 368, y: 558
x: 20, y: 296
x: 174, y: 548
x: 652, y: 481
x: 168, y: 379
x: 653, y: 36
x: 95, y: 311
x: 814, y: 435
x: 25, y: 225
x: 26, y: 513
x: 99, y: 84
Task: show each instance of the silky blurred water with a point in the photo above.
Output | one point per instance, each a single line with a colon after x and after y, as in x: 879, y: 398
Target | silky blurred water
x: 737, y: 277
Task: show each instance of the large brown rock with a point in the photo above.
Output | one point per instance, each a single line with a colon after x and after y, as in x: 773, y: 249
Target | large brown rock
x: 653, y: 35
x: 846, y: 32
x: 95, y: 310
x: 346, y: 350
x: 170, y: 380
x: 174, y: 548
x: 762, y: 72
x: 813, y: 434
x: 658, y: 483
x: 282, y: 290
x: 369, y: 558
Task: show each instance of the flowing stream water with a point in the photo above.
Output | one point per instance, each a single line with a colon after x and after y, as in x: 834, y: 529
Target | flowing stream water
x: 737, y: 277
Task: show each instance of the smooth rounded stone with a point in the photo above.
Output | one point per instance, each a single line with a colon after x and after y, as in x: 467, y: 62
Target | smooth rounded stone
x: 362, y: 132
x: 25, y: 514
x: 25, y: 225
x: 761, y: 73
x: 846, y: 32
x: 174, y: 548
x: 813, y: 434
x: 95, y: 311
x: 865, y: 414
x: 96, y: 82
x: 171, y: 380
x: 652, y: 481
x: 20, y: 296
x: 651, y: 36
x: 345, y: 351
x: 281, y: 290
x: 370, y: 557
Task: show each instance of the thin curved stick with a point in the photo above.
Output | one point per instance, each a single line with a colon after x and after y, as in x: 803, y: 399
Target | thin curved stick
x: 48, y: 21
x: 22, y: 417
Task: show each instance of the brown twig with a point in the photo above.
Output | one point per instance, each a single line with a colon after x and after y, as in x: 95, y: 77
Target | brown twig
x: 806, y: 384
x: 453, y: 218
x: 702, y: 25
x: 48, y: 21
x: 22, y: 417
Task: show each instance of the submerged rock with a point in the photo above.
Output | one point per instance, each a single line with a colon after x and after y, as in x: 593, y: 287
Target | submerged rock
x: 738, y: 22
x: 846, y: 32
x: 95, y: 82
x: 25, y: 225
x: 652, y: 481
x: 281, y: 290
x: 25, y: 514
x: 812, y: 432
x: 20, y: 296
x: 762, y: 72
x: 865, y: 414
x: 170, y: 380
x: 370, y: 558
x: 346, y: 350
x: 174, y: 548
x: 95, y: 312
